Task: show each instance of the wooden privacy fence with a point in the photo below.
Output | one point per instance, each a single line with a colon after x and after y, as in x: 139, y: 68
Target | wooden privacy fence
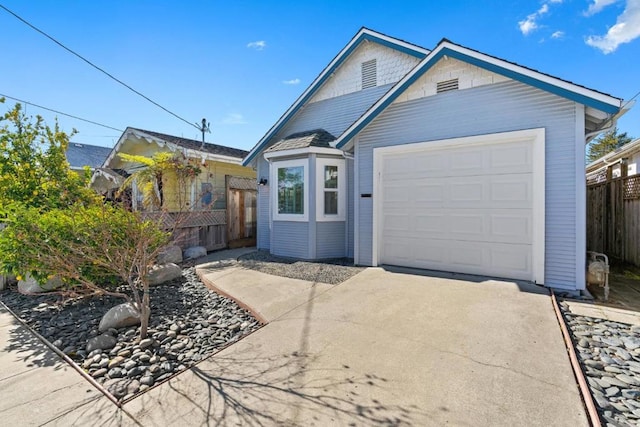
x: 214, y: 229
x: 613, y: 218
x: 197, y: 228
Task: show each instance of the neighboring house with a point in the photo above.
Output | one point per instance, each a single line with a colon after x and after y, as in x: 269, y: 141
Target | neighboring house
x: 221, y: 200
x: 446, y: 159
x: 81, y: 155
x: 624, y: 161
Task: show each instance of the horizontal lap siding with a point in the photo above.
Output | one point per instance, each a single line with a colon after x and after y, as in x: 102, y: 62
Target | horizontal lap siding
x: 501, y: 107
x: 334, y: 114
x: 290, y: 239
x: 264, y: 231
x: 330, y: 239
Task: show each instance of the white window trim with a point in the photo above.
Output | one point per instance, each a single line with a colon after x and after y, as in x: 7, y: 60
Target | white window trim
x: 342, y: 192
x: 275, y: 165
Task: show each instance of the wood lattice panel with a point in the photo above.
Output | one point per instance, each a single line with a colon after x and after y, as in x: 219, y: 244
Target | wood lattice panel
x: 632, y: 188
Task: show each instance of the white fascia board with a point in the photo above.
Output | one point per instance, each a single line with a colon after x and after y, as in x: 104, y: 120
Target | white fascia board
x: 116, y: 148
x: 384, y: 101
x: 190, y: 153
x: 311, y: 87
x: 329, y: 69
x: 301, y: 151
x: 392, y: 40
x: 607, y: 99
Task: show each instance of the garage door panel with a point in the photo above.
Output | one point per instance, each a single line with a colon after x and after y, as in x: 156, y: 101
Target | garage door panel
x: 431, y: 224
x: 482, y: 225
x: 465, y: 162
x: 429, y: 192
x: 516, y: 260
x: 512, y: 227
x: 516, y: 157
x: 398, y: 222
x: 471, y: 223
x: 502, y: 260
x: 462, y: 209
x: 512, y: 189
x: 501, y: 191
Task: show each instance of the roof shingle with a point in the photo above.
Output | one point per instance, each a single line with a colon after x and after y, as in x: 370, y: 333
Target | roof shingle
x: 80, y: 155
x: 310, y: 138
x: 197, y: 145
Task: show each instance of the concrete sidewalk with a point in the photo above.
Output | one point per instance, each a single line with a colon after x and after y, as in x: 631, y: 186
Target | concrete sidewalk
x: 39, y: 388
x: 601, y: 311
x: 381, y: 349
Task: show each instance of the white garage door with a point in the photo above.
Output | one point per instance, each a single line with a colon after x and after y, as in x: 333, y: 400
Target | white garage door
x: 467, y: 205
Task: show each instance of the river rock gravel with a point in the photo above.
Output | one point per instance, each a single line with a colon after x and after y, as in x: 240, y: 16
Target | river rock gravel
x: 609, y: 353
x: 188, y: 323
x: 331, y: 271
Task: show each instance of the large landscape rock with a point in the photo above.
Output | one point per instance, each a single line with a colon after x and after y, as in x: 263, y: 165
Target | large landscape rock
x: 195, y: 252
x: 120, y: 316
x: 101, y: 342
x: 163, y: 273
x: 29, y: 285
x: 170, y: 254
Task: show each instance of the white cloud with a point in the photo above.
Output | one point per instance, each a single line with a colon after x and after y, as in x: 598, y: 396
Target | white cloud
x: 530, y: 24
x: 598, y: 5
x: 234, y: 119
x: 557, y: 34
x: 626, y: 29
x: 555, y: 1
x: 291, y: 82
x: 257, y: 45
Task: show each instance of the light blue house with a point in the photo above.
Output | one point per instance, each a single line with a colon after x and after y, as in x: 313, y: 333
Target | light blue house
x: 445, y: 159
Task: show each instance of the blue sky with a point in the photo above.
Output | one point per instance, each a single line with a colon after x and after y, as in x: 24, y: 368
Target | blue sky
x: 241, y: 64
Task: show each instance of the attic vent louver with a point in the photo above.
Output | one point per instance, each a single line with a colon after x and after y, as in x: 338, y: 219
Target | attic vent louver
x: 369, y: 74
x: 447, y: 85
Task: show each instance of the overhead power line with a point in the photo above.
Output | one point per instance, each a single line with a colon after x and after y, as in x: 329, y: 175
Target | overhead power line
x: 95, y: 66
x: 59, y: 112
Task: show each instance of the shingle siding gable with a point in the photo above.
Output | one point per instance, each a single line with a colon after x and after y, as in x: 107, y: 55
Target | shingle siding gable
x: 391, y: 64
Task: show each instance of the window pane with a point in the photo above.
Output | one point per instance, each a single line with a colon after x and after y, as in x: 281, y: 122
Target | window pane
x: 331, y: 203
x: 330, y: 177
x: 291, y: 190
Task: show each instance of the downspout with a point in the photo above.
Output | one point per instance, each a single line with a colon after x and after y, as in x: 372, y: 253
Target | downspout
x: 613, y: 124
x: 612, y: 120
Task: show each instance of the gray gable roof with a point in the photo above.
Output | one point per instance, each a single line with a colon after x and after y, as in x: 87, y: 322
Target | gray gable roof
x: 197, y: 145
x: 81, y: 155
x: 312, y: 138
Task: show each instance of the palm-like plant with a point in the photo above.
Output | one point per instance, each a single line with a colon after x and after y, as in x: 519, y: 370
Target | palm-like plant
x: 149, y: 179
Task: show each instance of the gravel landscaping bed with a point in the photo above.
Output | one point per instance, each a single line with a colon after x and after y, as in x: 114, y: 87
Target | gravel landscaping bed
x: 331, y: 271
x: 609, y: 353
x: 188, y: 323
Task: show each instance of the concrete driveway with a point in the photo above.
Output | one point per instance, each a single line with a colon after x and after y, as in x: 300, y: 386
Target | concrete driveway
x: 383, y: 349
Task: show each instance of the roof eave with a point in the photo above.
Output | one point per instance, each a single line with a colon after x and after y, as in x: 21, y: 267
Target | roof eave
x: 363, y: 34
x: 589, y: 97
